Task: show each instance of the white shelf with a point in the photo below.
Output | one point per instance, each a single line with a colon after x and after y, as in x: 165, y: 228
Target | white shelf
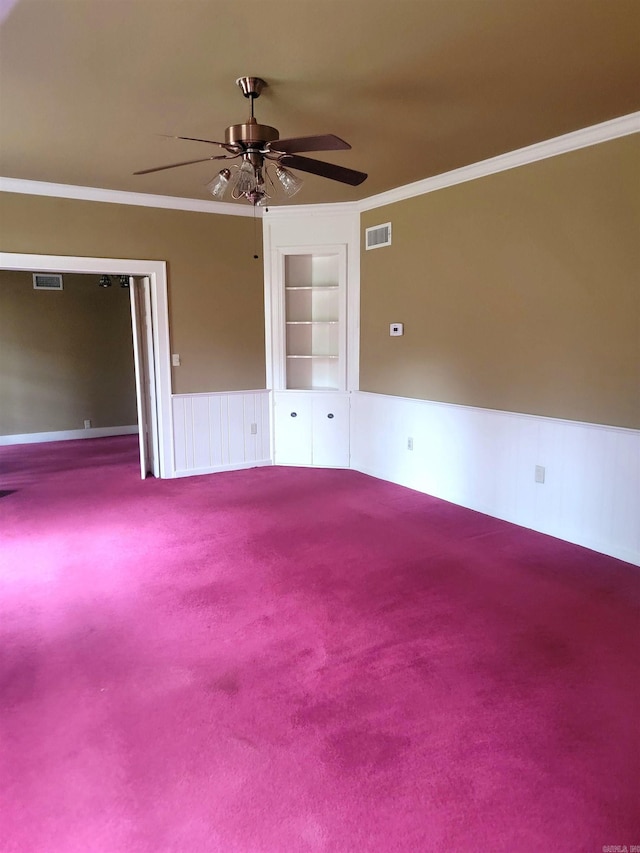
x: 317, y: 287
x: 313, y: 285
x: 312, y: 388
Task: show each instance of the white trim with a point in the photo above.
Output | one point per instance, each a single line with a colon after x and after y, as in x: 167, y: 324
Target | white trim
x: 353, y: 303
x: 219, y: 393
x: 157, y: 272
x: 216, y: 469
x: 17, y: 185
x: 67, y: 435
x: 604, y: 132
x: 573, y: 141
x: 501, y: 412
x: 344, y: 208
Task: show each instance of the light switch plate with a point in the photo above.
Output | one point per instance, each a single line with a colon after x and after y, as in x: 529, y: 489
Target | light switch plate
x: 396, y: 329
x: 175, y: 360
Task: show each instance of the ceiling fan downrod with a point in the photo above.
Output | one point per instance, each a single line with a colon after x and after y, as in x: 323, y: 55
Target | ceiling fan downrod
x: 251, y: 133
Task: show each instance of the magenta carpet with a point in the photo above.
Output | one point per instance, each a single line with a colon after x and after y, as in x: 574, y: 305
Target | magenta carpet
x: 287, y: 660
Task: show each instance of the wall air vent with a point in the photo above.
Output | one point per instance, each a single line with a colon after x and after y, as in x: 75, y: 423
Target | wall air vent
x: 47, y: 281
x: 378, y: 236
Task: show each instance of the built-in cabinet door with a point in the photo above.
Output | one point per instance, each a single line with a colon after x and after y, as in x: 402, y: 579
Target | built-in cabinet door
x: 293, y: 429
x: 330, y: 428
x: 311, y: 429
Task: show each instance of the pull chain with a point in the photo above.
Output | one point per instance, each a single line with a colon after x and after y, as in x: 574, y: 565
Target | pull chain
x: 255, y: 230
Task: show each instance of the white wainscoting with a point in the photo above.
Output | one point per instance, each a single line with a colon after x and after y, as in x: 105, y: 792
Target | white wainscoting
x: 485, y: 460
x: 67, y: 435
x: 212, y: 432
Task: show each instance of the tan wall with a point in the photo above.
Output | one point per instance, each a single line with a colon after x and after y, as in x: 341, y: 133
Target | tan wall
x: 64, y: 356
x: 519, y: 291
x: 216, y: 303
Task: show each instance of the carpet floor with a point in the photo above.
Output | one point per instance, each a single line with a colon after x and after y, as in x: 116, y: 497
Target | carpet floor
x: 284, y: 660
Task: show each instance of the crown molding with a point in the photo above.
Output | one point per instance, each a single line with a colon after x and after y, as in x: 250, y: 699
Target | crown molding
x: 597, y: 133
x: 344, y: 208
x: 17, y: 185
x: 594, y: 135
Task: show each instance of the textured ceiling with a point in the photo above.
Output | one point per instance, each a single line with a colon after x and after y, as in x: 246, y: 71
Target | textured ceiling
x: 418, y: 87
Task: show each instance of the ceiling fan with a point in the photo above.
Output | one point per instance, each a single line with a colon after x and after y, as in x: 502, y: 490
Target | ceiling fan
x: 259, y: 147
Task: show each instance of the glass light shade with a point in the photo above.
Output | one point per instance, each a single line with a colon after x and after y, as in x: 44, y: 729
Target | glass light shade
x: 219, y: 185
x: 291, y: 183
x: 245, y: 180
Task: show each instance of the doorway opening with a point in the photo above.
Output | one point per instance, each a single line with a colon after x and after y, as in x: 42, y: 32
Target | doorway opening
x: 150, y: 321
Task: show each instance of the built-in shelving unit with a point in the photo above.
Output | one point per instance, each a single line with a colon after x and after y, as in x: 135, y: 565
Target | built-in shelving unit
x: 306, y: 299
x: 313, y: 286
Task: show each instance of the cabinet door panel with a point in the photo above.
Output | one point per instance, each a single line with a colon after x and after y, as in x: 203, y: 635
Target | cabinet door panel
x: 331, y: 430
x: 292, y: 422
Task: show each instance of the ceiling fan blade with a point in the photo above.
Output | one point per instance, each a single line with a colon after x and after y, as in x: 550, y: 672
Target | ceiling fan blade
x: 185, y: 163
x: 210, y: 141
x: 328, y: 142
x: 325, y: 170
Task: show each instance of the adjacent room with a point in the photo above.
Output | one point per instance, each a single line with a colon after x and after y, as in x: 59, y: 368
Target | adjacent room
x: 319, y: 426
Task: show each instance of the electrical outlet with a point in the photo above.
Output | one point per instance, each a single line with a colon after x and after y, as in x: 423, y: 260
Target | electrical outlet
x: 254, y: 429
x: 175, y: 360
x: 87, y: 423
x: 409, y: 444
x: 540, y: 471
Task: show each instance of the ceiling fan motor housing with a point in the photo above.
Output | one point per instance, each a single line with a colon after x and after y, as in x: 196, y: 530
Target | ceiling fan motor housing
x: 250, y: 133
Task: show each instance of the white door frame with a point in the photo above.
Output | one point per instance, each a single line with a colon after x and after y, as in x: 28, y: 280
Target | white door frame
x: 141, y: 322
x: 157, y: 273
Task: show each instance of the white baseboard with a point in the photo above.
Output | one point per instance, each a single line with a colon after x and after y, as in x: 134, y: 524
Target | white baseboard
x: 67, y: 435
x: 485, y: 460
x: 216, y: 469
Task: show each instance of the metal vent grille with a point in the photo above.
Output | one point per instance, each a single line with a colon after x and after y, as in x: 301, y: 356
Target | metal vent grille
x: 47, y: 281
x: 378, y: 235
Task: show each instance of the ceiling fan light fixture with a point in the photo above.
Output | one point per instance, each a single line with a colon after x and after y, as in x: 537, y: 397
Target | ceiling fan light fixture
x: 245, y: 180
x: 220, y: 184
x: 290, y: 183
